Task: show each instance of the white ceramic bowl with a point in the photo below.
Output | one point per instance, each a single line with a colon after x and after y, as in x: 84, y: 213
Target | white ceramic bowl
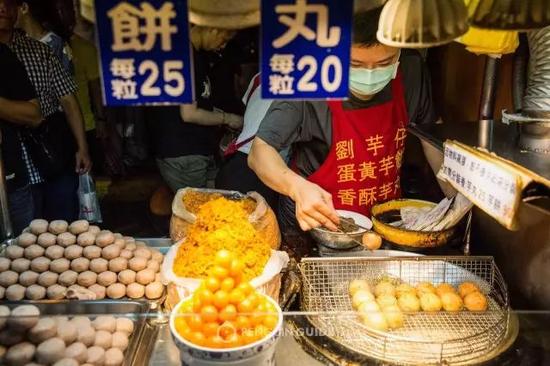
x: 261, y: 352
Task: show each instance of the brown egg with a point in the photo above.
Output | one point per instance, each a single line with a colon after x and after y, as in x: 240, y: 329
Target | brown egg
x: 145, y: 276
x: 40, y: 264
x: 46, y: 240
x: 116, y: 291
x: 73, y: 252
x: 106, y: 278
x: 15, y: 292
x: 92, y: 252
x: 86, y: 239
x: 67, y: 278
x: 99, y: 265
x: 38, y: 226
x: 57, y: 227
x: 127, y: 276
x: 26, y: 239
x: 135, y: 291
x: 54, y: 252
x: 35, y: 292
x: 110, y: 251
x: 60, y: 265
x: 28, y: 278
x: 47, y: 279
x: 14, y: 252
x: 86, y: 278
x: 118, y: 264
x: 66, y: 239
x: 475, y: 301
x: 79, y: 227
x: 467, y: 288
x: 8, y: 278
x: 50, y: 351
x: 56, y: 292
x: 20, y: 265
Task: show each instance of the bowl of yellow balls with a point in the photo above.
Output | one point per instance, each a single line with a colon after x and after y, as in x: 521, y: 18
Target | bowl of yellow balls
x: 226, y: 320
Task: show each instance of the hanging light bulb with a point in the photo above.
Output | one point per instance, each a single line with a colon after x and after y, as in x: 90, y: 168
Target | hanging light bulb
x: 510, y: 14
x: 422, y: 23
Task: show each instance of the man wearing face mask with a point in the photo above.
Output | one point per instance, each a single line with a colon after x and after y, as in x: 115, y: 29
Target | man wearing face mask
x: 346, y: 154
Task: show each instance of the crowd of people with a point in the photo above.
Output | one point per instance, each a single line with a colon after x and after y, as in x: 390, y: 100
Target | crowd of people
x: 55, y: 126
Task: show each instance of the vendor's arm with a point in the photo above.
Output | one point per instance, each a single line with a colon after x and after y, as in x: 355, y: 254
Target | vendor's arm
x: 282, y: 126
x: 191, y: 113
x: 26, y: 113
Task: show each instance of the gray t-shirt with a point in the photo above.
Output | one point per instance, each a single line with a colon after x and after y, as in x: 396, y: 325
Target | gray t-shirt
x: 306, y: 126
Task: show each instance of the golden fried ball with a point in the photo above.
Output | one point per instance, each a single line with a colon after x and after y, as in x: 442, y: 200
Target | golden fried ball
x: 444, y: 288
x: 360, y: 297
x: 394, y: 316
x: 430, y: 302
x: 425, y: 288
x: 403, y: 289
x: 409, y: 303
x: 375, y: 320
x: 451, y: 301
x: 369, y: 306
x: 466, y: 288
x: 384, y: 288
x: 475, y: 301
x: 357, y: 285
x: 386, y: 300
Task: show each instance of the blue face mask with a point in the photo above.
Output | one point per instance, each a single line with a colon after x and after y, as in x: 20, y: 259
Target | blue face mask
x: 370, y: 81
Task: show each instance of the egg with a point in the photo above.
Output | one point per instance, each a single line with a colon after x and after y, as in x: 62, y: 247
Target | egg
x: 66, y: 362
x: 143, y: 253
x: 94, y: 229
x: 80, y: 264
x: 127, y: 254
x: 475, y: 301
x: 67, y: 331
x: 130, y: 246
x: 5, y: 264
x: 9, y: 338
x: 28, y: 278
x: 157, y: 256
x: 81, y: 321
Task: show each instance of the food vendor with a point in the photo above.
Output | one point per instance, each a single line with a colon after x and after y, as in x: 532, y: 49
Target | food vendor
x: 346, y: 154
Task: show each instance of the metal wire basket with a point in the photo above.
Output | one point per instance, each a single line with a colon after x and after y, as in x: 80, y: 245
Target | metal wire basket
x: 426, y: 338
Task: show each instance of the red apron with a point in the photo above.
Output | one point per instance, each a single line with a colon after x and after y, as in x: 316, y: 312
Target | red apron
x: 364, y: 162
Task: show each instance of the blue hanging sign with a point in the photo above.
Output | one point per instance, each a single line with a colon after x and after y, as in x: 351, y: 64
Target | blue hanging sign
x: 306, y: 48
x: 145, y: 51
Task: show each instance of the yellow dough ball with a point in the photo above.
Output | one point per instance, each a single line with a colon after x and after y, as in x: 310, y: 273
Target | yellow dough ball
x: 430, y: 302
x: 475, y: 301
x: 409, y: 303
x: 386, y: 300
x: 403, y: 289
x: 384, y: 288
x: 443, y: 288
x: 451, y: 301
x: 466, y: 288
x: 425, y: 288
x: 370, y: 306
x: 360, y: 297
x: 357, y: 285
x: 375, y: 320
x: 394, y: 316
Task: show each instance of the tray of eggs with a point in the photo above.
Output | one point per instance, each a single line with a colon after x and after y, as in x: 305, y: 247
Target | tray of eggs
x: 78, y: 261
x: 86, y: 333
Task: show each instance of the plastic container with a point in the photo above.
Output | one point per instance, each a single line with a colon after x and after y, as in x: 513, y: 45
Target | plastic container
x: 258, y: 353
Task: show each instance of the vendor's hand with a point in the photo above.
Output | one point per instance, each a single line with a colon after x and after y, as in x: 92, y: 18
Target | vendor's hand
x: 313, y: 206
x: 234, y: 121
x: 83, y: 162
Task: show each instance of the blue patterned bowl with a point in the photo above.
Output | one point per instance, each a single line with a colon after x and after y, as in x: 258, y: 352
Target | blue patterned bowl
x: 259, y: 353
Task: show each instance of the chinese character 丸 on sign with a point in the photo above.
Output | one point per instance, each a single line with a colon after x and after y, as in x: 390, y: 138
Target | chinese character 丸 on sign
x: 145, y: 51
x: 306, y: 48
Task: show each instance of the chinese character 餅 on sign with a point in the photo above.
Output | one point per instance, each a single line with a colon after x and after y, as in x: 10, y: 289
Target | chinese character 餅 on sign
x: 145, y: 51
x: 306, y: 48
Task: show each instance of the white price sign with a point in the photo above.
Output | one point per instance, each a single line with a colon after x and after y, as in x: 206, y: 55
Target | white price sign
x: 483, y: 180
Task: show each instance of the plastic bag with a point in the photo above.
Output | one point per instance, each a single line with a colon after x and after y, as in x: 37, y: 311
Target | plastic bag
x: 89, y: 204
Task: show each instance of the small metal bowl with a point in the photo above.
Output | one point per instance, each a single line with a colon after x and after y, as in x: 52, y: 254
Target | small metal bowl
x: 336, y: 240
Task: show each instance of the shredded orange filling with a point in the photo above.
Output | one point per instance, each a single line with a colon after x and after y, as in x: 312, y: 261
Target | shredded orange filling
x: 221, y: 224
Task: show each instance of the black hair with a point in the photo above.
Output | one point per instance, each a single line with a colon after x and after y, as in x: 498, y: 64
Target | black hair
x: 365, y: 26
x: 46, y: 13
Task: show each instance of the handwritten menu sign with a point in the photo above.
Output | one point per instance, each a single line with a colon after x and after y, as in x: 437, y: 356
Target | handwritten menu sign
x: 483, y: 180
